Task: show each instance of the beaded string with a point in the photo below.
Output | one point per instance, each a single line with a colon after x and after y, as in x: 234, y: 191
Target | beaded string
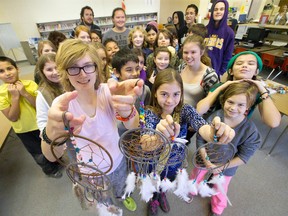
x: 142, y: 115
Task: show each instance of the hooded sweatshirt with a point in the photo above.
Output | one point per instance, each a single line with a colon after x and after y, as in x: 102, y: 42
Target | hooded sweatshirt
x: 220, y: 41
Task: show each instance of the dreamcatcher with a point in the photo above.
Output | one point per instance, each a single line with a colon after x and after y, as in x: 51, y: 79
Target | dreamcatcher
x: 213, y: 155
x: 150, y: 154
x: 87, y: 164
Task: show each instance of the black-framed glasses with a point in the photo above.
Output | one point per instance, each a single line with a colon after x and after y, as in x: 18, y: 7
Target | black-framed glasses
x: 88, y: 69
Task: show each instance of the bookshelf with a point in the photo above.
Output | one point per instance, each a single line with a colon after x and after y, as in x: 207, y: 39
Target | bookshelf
x: 105, y: 23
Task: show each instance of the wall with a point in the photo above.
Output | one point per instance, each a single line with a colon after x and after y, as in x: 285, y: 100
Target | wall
x: 29, y: 12
x: 26, y: 13
x: 167, y: 7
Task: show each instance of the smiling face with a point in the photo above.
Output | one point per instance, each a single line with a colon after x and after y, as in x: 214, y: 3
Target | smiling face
x: 119, y: 19
x: 8, y: 73
x: 95, y: 37
x: 244, y: 67
x: 190, y: 15
x: 219, y: 11
x: 83, y: 81
x: 50, y: 72
x: 235, y: 106
x: 129, y: 71
x: 111, y: 49
x: 168, y: 96
x: 47, y: 49
x: 162, y: 60
x: 138, y: 39
x: 192, y: 54
x: 88, y: 17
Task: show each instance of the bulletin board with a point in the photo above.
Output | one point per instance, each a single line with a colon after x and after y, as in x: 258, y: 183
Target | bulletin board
x: 8, y: 37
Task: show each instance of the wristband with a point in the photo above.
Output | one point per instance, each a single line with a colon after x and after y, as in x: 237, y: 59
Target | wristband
x: 46, y: 139
x: 264, y: 93
x: 264, y: 97
x: 131, y: 115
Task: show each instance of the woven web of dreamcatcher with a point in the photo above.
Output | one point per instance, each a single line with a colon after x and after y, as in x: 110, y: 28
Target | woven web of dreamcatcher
x: 218, y: 154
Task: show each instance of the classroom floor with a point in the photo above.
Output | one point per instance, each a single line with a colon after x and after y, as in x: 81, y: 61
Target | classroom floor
x: 258, y: 188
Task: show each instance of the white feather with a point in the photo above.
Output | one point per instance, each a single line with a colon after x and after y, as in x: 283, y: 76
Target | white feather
x: 219, y: 180
x: 130, y: 185
x: 166, y: 185
x: 147, y: 189
x: 110, y: 210
x: 182, y: 181
x: 156, y: 181
x: 180, y: 140
x: 205, y: 191
x: 192, y: 187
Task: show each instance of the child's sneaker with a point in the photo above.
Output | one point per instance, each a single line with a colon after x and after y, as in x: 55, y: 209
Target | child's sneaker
x: 130, y: 204
x: 164, y: 204
x: 153, y: 206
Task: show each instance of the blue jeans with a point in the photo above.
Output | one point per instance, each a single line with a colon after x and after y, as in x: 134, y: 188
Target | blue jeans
x: 118, y: 178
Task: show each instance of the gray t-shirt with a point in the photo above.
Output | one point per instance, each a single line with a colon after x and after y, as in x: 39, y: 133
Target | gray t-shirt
x: 121, y: 38
x: 246, y: 141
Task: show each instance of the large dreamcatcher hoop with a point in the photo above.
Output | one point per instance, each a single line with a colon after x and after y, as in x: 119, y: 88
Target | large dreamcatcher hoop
x: 209, y: 157
x: 87, y: 164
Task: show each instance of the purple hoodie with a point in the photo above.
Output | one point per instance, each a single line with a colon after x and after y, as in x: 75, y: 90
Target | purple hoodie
x: 220, y: 41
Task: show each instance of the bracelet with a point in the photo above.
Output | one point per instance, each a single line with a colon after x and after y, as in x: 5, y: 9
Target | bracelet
x: 264, y: 93
x: 131, y: 115
x: 46, y: 139
x: 263, y: 97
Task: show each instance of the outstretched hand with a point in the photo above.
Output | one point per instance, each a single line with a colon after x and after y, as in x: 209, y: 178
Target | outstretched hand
x: 55, y: 125
x: 124, y: 94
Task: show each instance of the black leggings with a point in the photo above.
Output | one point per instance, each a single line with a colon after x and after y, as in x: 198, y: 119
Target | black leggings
x: 32, y: 143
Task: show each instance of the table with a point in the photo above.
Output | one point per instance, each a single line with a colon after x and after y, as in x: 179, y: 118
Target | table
x: 281, y: 102
x: 276, y: 52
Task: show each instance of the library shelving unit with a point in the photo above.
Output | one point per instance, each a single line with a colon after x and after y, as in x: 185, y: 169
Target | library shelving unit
x: 105, y: 23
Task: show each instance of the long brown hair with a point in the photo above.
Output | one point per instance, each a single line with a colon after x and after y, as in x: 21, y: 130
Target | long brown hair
x: 50, y: 90
x: 167, y: 75
x: 200, y: 42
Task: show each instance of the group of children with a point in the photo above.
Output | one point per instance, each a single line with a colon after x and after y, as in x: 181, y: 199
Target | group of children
x: 93, y: 81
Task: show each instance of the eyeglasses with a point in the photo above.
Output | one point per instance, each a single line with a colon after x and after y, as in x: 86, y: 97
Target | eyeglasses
x: 88, y: 69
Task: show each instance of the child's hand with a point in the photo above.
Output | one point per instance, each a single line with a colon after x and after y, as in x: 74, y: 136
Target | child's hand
x: 150, y: 142
x: 55, y: 125
x: 12, y: 89
x: 258, y: 83
x: 124, y: 94
x: 168, y: 127
x: 20, y: 87
x: 224, y: 132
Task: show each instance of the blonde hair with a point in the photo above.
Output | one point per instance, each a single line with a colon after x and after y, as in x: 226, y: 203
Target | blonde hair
x: 130, y: 36
x: 70, y: 51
